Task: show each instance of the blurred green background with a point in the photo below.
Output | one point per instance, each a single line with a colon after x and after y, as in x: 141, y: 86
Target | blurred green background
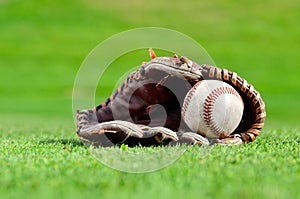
x: 43, y: 43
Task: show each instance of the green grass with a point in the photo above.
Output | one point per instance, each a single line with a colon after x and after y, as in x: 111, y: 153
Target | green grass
x: 48, y: 165
x: 43, y: 43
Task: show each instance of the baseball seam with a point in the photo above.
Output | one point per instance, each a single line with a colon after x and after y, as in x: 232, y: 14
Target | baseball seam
x: 188, y: 98
x: 209, y: 104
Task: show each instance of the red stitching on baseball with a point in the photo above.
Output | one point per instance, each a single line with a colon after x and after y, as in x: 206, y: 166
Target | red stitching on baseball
x: 209, y: 103
x: 189, y: 97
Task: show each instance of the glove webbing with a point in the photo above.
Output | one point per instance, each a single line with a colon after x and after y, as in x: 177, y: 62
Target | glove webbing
x: 245, y: 89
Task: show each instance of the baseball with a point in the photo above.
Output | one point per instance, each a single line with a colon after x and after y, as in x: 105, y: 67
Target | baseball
x: 212, y: 108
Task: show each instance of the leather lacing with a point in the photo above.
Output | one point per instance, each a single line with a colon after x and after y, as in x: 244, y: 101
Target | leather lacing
x: 134, y: 76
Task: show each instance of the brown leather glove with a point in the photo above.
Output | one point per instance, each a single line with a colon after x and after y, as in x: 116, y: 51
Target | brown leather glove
x: 146, y: 109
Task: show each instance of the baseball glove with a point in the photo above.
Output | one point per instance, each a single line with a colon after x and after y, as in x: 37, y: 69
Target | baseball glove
x: 146, y: 109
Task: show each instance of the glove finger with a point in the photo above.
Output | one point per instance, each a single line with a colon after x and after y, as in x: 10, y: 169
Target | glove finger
x: 109, y: 133
x: 93, y: 135
x: 191, y: 138
x: 85, y: 117
x: 153, y: 136
x: 229, y: 141
x: 164, y: 134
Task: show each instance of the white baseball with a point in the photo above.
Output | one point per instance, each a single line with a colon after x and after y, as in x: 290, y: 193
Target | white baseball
x: 212, y: 108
